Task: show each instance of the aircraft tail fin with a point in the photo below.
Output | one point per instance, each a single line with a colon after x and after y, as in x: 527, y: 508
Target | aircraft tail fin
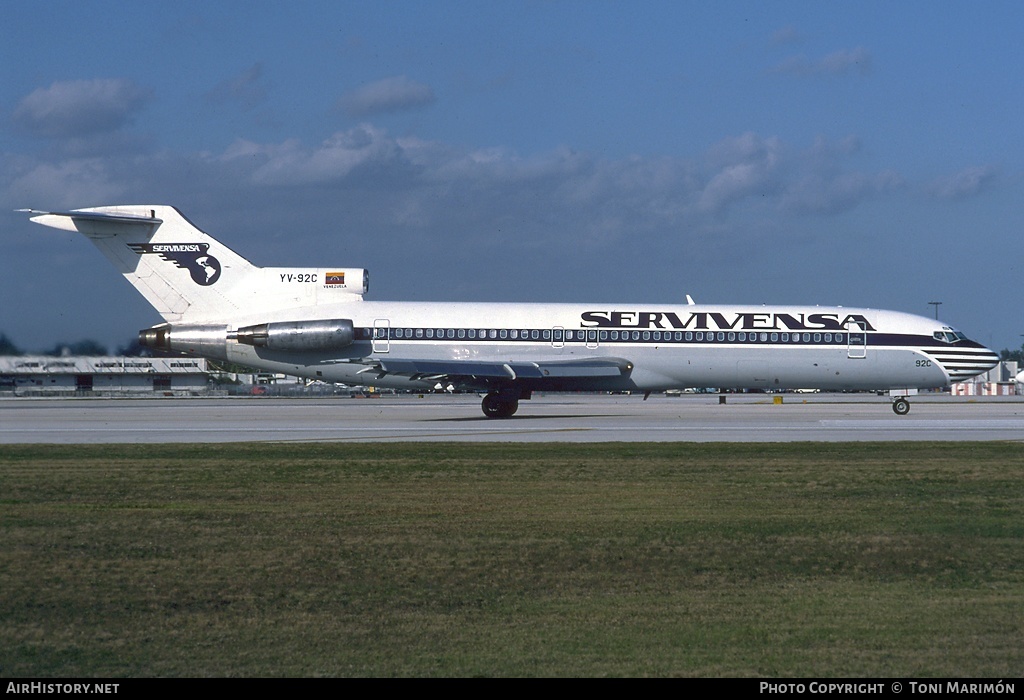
x: 186, y: 274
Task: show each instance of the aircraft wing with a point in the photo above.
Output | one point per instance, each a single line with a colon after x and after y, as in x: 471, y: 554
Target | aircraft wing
x: 487, y: 373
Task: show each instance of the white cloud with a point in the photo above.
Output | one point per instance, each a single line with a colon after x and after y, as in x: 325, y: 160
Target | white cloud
x: 388, y: 95
x: 747, y: 165
x: 964, y: 184
x: 291, y: 163
x: 246, y: 88
x: 73, y: 183
x: 837, y: 192
x: 856, y: 60
x: 80, y: 108
x: 786, y: 35
x: 442, y: 197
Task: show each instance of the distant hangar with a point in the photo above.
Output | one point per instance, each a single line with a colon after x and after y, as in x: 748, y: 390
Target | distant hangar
x: 27, y: 375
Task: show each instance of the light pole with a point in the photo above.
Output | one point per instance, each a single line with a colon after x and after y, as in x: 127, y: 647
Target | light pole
x: 936, y: 304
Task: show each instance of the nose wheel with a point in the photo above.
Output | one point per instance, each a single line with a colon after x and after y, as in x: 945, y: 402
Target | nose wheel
x: 901, y: 407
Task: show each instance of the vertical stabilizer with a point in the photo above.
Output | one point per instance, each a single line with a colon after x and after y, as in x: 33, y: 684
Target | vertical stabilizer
x: 189, y: 276
x: 183, y: 272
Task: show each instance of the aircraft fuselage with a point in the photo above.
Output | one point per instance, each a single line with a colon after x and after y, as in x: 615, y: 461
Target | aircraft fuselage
x: 669, y: 346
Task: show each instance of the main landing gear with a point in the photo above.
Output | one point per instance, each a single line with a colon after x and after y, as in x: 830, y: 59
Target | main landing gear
x: 901, y: 407
x: 496, y: 405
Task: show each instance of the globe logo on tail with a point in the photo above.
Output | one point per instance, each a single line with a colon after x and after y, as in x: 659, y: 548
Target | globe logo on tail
x: 203, y: 268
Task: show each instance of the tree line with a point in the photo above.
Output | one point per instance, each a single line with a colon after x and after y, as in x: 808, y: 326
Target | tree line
x: 87, y: 347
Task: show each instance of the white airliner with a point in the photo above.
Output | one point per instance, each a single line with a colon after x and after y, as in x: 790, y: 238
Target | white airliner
x: 313, y: 322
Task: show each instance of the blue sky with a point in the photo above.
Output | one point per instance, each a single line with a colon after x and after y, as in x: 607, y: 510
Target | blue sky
x: 865, y: 154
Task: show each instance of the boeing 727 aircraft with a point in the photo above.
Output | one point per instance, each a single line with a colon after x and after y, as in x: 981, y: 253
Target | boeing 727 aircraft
x: 313, y: 322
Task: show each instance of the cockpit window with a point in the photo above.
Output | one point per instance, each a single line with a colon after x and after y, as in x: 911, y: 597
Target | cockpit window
x: 949, y: 336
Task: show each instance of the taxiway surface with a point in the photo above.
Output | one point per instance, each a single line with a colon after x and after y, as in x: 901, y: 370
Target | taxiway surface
x: 552, y: 418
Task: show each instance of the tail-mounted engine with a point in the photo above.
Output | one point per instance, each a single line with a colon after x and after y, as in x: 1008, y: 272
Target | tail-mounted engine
x: 282, y: 336
x: 298, y: 336
x: 205, y: 341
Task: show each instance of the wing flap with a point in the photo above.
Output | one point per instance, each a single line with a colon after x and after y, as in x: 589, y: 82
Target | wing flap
x: 463, y: 368
x: 591, y: 367
x: 586, y: 367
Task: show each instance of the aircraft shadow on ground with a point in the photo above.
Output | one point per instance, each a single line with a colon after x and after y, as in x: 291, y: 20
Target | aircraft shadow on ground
x: 520, y: 417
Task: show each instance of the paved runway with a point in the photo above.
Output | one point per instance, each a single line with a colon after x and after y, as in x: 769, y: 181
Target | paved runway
x: 554, y: 418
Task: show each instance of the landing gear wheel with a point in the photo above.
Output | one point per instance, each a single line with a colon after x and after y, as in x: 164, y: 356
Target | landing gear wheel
x: 901, y: 407
x: 496, y: 407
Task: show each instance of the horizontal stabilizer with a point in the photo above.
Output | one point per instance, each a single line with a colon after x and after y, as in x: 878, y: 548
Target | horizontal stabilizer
x: 49, y: 218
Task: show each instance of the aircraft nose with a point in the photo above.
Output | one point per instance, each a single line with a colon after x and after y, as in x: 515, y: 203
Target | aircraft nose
x: 965, y: 360
x: 990, y: 359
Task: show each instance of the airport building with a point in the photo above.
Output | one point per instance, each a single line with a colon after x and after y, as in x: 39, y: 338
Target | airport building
x: 1001, y: 380
x: 29, y: 375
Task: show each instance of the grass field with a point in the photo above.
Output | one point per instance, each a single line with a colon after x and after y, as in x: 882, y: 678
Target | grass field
x: 900, y: 559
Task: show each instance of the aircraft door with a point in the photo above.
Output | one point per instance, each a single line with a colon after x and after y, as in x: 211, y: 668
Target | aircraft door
x: 857, y: 340
x: 557, y: 337
x: 381, y: 335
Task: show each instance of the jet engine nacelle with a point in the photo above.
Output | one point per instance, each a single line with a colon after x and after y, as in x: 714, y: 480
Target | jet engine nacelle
x: 203, y: 340
x: 210, y: 340
x: 298, y: 336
